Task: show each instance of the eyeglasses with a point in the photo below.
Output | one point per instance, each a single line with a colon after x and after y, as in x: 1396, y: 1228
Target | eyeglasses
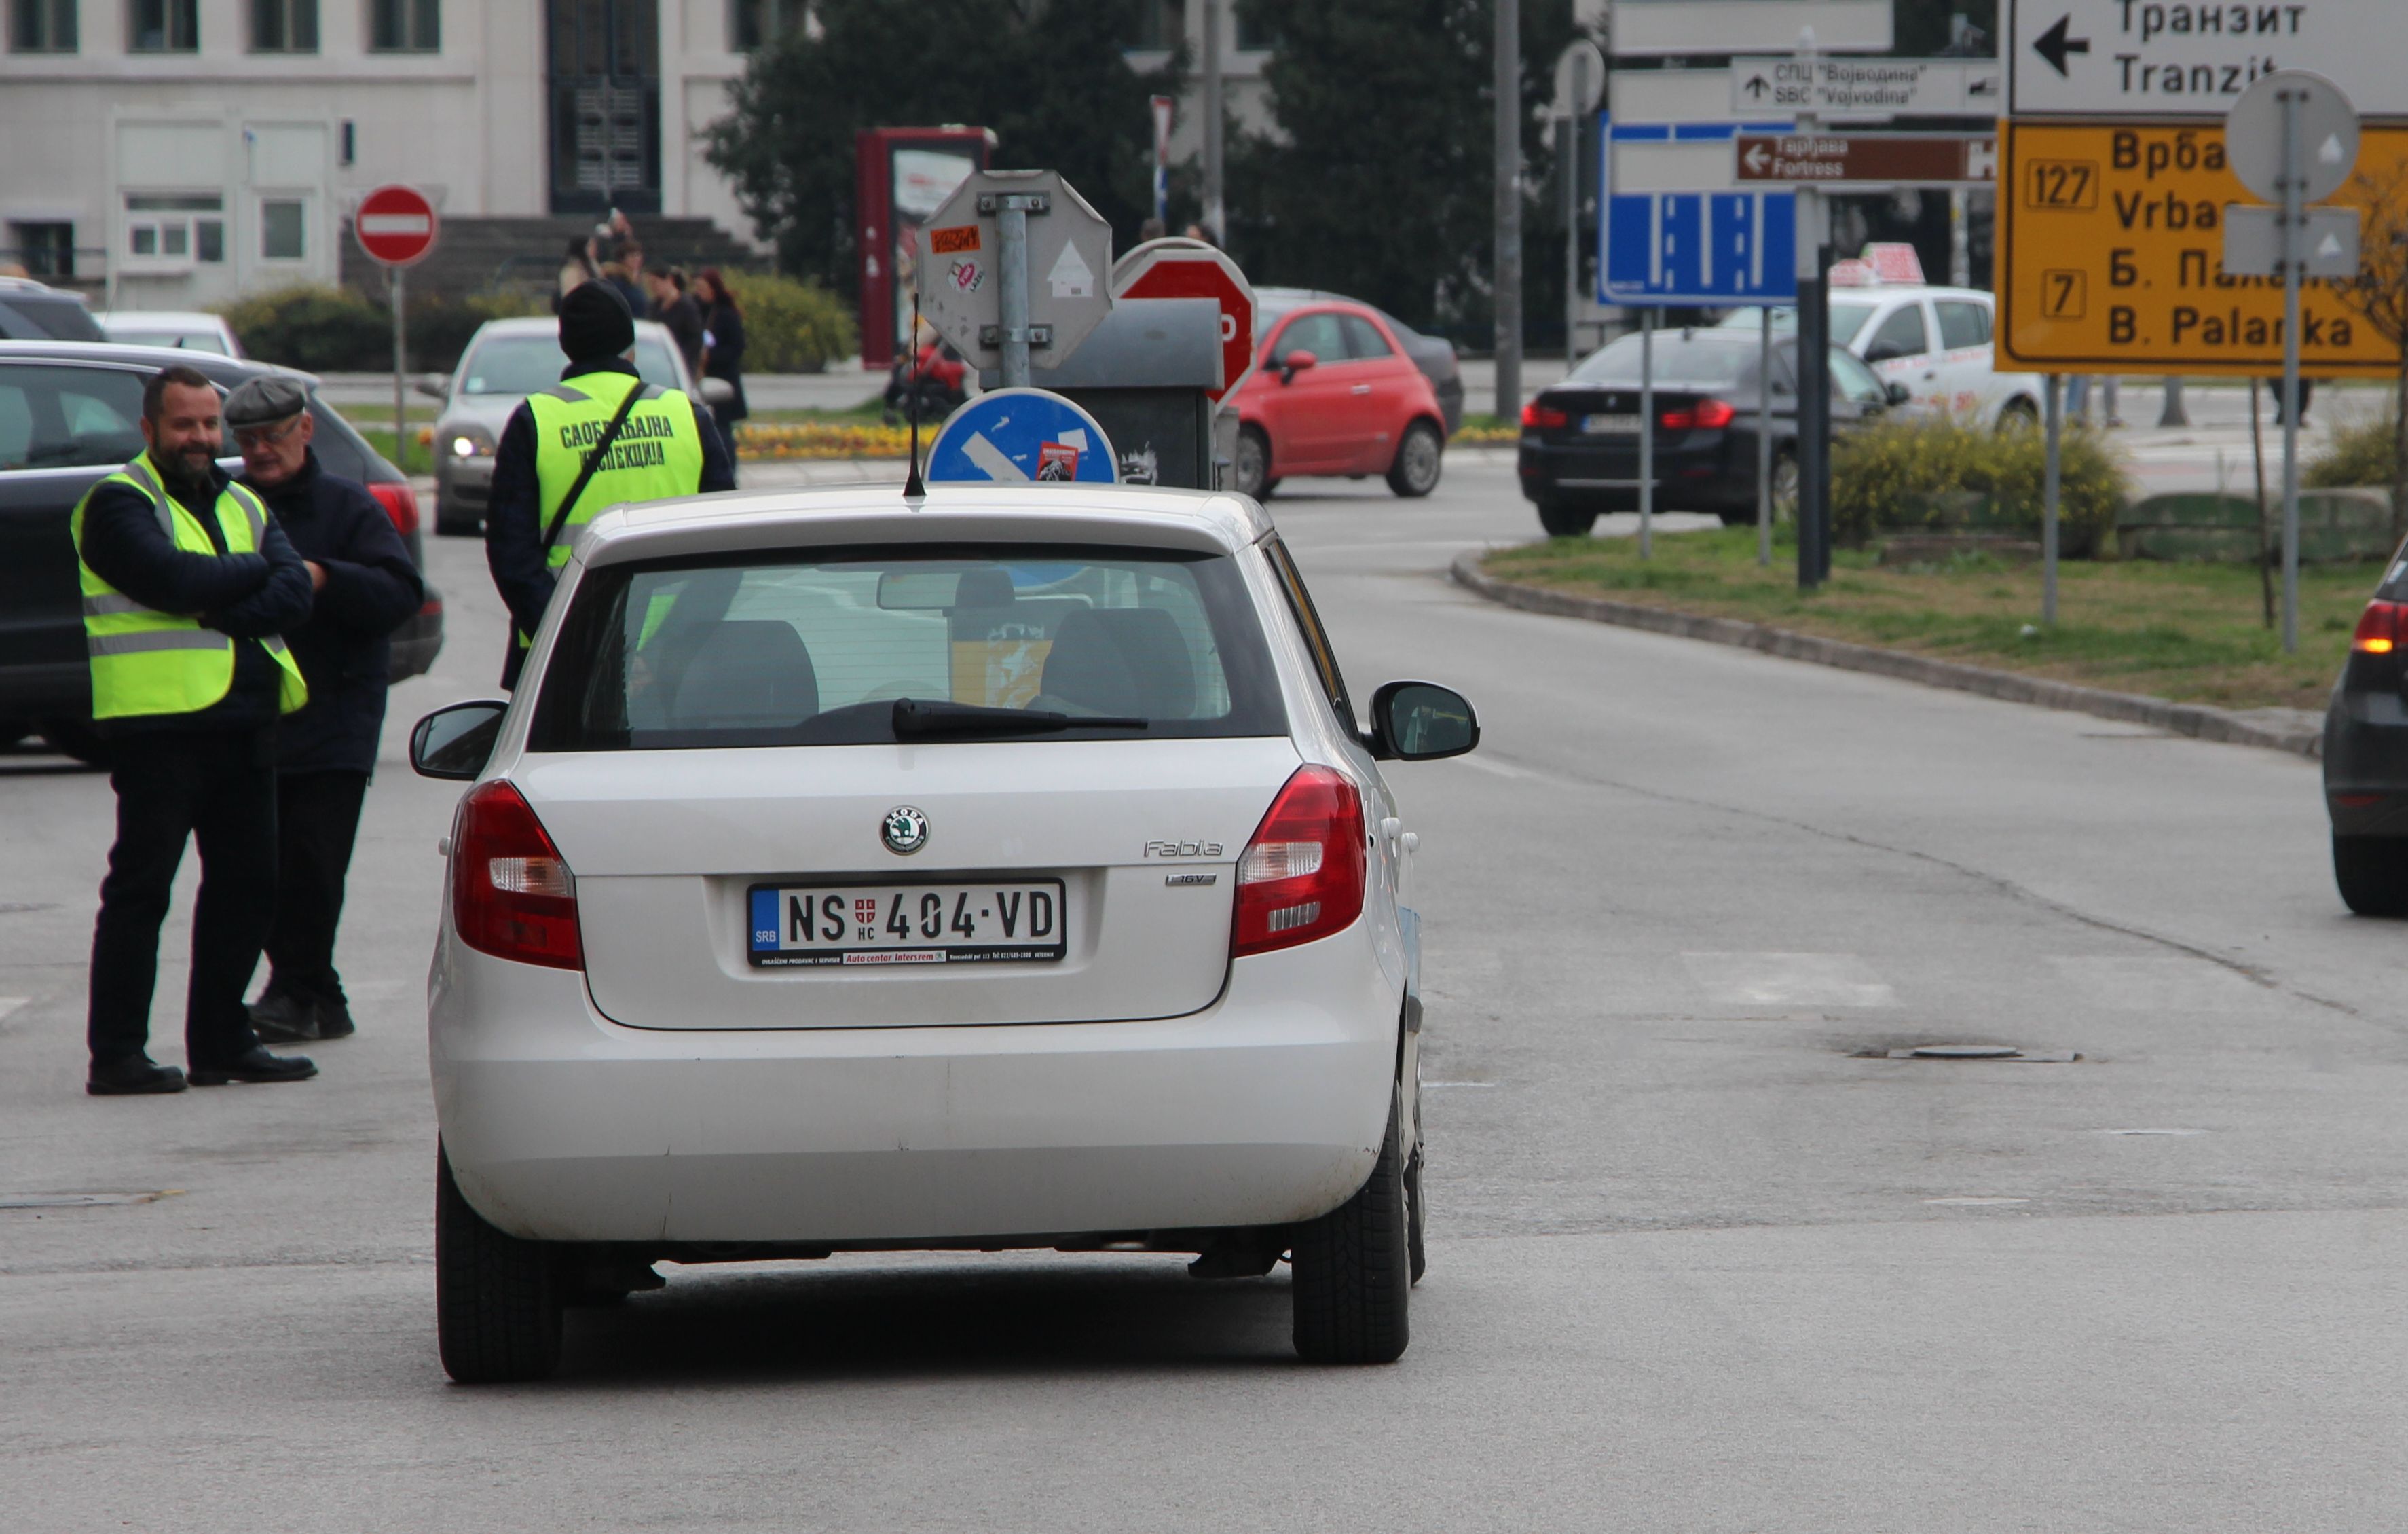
x: 248, y: 437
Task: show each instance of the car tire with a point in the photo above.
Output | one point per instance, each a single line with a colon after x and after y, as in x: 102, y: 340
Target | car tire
x: 449, y: 526
x: 1421, y: 457
x: 496, y: 1297
x: 76, y: 738
x: 1417, y: 1214
x: 1561, y: 521
x: 14, y: 730
x: 1253, y: 469
x: 2019, y: 415
x: 1353, y: 1269
x: 2372, y: 873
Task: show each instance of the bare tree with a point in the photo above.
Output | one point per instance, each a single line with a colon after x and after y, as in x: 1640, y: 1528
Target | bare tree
x: 2380, y: 293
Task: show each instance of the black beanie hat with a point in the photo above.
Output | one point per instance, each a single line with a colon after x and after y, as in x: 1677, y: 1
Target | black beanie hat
x: 594, y: 324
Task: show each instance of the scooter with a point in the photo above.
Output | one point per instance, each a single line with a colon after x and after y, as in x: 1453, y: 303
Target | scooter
x: 937, y: 374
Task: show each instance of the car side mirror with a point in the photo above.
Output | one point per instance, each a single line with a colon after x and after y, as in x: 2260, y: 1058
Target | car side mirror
x: 1421, y: 721
x: 434, y: 385
x: 457, y: 741
x: 1295, y: 362
x: 716, y: 392
x: 1898, y: 393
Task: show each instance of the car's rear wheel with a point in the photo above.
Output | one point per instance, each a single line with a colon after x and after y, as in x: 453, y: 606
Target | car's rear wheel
x: 496, y: 1297
x: 1417, y: 1215
x: 2372, y: 873
x: 451, y: 525
x: 1420, y: 457
x: 1254, y: 464
x: 2019, y: 415
x: 1353, y: 1269
x: 1561, y: 521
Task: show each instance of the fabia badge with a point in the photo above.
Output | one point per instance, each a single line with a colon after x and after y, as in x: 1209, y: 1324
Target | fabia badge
x: 905, y: 830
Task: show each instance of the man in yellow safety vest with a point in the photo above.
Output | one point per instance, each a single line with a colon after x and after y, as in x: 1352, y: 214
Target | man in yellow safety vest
x: 187, y: 584
x: 600, y: 437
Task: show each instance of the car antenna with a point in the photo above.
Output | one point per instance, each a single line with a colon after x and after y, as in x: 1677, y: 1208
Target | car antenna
x: 914, y: 489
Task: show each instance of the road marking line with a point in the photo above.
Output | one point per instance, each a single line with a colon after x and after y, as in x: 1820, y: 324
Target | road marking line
x: 1788, y: 980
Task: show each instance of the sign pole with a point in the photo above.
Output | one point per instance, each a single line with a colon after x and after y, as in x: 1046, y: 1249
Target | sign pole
x: 2052, y: 479
x: 1567, y: 151
x: 1647, y: 433
x: 1764, y: 438
x: 2295, y: 173
x: 1813, y: 394
x: 1011, y: 294
x: 400, y: 364
x: 1508, y: 274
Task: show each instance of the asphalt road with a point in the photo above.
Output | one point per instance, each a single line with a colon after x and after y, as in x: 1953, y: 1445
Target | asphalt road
x: 1697, y: 1264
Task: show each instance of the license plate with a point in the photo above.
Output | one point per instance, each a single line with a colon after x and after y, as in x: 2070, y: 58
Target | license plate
x: 1001, y: 922
x: 1600, y: 425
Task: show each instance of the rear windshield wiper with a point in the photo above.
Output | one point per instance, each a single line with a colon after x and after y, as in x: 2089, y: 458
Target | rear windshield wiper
x: 921, y: 717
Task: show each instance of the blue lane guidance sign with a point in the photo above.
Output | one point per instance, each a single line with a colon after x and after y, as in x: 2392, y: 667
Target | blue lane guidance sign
x: 1675, y: 229
x: 1021, y: 436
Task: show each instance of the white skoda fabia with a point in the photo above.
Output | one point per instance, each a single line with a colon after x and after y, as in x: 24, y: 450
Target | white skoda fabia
x: 1001, y: 871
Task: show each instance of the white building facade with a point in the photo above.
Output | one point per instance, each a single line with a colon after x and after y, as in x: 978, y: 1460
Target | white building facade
x: 176, y: 152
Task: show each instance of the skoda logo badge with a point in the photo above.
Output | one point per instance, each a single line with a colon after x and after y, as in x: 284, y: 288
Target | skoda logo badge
x: 905, y: 830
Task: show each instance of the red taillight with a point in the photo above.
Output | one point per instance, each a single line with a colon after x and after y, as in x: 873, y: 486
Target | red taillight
x: 1301, y: 876
x: 512, y: 896
x: 2378, y: 628
x: 400, y: 503
x: 1707, y: 415
x: 1538, y: 417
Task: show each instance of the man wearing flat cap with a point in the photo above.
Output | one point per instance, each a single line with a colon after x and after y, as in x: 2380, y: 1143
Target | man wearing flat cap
x: 366, y: 587
x: 599, y: 437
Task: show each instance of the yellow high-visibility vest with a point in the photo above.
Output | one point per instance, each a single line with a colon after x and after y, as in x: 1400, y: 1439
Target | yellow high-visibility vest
x: 658, y: 452
x: 149, y: 662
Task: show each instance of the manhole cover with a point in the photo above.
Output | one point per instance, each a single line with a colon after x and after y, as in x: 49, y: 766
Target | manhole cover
x: 77, y: 1200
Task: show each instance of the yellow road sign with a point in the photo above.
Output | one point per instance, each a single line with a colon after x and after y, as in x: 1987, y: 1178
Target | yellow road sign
x: 2110, y: 246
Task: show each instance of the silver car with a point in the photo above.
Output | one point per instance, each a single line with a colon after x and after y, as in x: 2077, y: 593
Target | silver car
x: 506, y: 361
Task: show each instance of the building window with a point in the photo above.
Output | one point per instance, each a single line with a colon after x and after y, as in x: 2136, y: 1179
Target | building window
x: 284, y: 26
x: 163, y: 27
x: 45, y: 249
x: 42, y: 26
x: 176, y: 226
x: 759, y: 23
x: 280, y: 222
x: 406, y: 26
x: 1155, y: 24
x: 1256, y: 31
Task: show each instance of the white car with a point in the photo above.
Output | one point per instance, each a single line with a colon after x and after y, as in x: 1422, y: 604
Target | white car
x: 1935, y: 340
x: 191, y: 331
x: 1001, y: 871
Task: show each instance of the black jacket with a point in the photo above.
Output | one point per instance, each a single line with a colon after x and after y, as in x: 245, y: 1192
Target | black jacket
x: 727, y: 359
x: 515, y: 548
x: 682, y: 317
x: 249, y: 597
x: 371, y: 588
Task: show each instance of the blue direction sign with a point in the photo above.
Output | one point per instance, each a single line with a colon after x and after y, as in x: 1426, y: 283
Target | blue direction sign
x: 1020, y: 436
x: 1691, y: 246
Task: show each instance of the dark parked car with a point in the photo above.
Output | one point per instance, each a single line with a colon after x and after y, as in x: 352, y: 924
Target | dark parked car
x: 70, y: 412
x: 1579, y: 437
x: 1433, y: 356
x: 33, y: 311
x: 2366, y: 754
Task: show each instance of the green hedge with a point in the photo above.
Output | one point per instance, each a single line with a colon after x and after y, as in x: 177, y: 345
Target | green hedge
x: 1934, y: 474
x: 792, y: 326
x: 2357, y: 453
x: 339, y: 330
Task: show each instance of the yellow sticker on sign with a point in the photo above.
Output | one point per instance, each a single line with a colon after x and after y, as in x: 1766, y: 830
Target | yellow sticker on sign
x: 2111, y: 259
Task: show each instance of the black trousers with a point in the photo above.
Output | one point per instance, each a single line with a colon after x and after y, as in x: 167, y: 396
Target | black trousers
x: 217, y: 787
x: 317, y: 819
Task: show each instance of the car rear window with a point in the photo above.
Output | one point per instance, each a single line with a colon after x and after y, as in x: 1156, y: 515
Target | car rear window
x: 1676, y: 364
x: 816, y: 649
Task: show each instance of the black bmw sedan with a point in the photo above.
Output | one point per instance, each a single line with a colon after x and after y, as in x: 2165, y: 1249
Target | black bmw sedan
x: 2366, y: 754
x: 1579, y: 439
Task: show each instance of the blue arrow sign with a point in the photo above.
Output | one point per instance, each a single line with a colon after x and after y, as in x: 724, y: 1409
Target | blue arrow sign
x: 1703, y: 246
x: 1018, y: 437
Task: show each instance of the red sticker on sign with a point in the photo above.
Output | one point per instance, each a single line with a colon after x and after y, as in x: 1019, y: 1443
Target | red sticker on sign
x: 1056, y: 461
x: 954, y: 241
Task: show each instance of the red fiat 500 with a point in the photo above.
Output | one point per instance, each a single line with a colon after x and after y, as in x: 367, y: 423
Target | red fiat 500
x: 1333, y: 393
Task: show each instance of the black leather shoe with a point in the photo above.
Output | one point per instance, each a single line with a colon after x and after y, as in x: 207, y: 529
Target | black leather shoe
x: 333, y: 1020
x: 131, y: 1078
x: 257, y: 1066
x: 282, y: 1018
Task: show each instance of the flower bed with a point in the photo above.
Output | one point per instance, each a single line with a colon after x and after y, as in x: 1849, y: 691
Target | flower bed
x: 822, y: 440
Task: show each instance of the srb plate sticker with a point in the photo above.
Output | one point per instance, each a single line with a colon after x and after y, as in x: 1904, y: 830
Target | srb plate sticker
x: 1000, y: 922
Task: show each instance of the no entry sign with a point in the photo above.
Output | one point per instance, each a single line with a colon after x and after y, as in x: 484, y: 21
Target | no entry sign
x: 396, y: 226
x: 1183, y: 268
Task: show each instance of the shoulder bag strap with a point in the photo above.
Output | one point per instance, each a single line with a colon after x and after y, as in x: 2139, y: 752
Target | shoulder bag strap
x: 637, y: 390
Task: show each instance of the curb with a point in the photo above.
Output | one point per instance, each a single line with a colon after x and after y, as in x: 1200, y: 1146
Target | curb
x: 2196, y: 719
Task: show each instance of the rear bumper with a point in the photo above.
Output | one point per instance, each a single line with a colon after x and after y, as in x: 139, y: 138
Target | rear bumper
x: 2366, y: 759
x: 1710, y: 474
x: 1267, y: 1107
